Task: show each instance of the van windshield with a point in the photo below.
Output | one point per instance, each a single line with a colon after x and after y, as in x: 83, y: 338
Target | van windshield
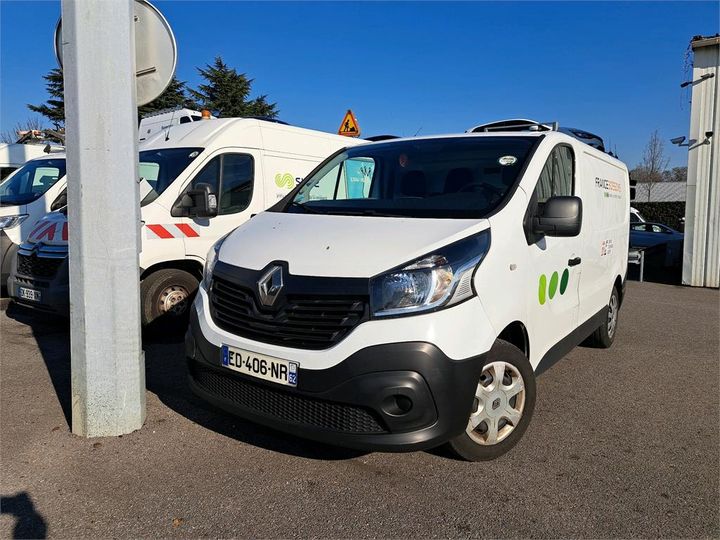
x: 454, y: 177
x: 160, y: 167
x: 31, y: 181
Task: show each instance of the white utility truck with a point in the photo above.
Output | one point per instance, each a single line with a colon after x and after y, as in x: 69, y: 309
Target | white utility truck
x: 199, y: 181
x: 407, y: 292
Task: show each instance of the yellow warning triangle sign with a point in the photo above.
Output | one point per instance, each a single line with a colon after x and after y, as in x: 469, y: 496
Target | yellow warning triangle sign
x: 349, y: 126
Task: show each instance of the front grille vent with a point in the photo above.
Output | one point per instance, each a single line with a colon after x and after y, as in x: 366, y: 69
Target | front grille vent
x: 285, y: 406
x: 38, y: 267
x: 302, y: 321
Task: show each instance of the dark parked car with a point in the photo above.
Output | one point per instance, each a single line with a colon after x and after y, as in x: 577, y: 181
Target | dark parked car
x: 654, y: 234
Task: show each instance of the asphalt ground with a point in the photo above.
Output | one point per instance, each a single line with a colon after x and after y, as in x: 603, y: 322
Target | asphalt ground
x: 624, y: 443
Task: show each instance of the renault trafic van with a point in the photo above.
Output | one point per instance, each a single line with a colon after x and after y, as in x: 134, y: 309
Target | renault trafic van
x: 199, y: 181
x: 407, y: 292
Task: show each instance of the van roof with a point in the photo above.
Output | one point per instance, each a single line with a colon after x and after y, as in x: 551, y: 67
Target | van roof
x: 557, y: 136
x: 226, y: 132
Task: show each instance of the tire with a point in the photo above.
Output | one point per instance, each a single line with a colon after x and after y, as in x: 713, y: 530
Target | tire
x: 475, y: 444
x: 166, y: 297
x: 604, y: 335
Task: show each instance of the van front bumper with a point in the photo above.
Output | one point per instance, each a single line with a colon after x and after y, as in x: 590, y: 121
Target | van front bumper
x: 54, y: 291
x: 389, y: 397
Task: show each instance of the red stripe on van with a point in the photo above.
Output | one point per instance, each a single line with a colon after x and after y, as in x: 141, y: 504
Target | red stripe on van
x: 49, y: 232
x: 65, y: 232
x: 187, y: 230
x: 161, y: 231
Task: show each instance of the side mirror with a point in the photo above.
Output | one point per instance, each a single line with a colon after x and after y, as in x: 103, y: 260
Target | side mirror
x: 60, y: 201
x: 197, y: 202
x: 559, y: 216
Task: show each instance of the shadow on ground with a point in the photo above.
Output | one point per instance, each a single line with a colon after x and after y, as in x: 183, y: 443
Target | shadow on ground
x: 166, y: 377
x: 28, y: 522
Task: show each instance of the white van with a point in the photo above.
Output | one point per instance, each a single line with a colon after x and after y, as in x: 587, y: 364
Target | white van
x: 408, y: 291
x: 199, y: 181
x: 26, y: 194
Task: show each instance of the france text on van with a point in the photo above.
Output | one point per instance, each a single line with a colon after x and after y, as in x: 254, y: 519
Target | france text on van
x: 406, y: 293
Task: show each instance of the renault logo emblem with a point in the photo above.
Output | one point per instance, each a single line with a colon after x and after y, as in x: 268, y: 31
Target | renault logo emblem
x: 270, y: 285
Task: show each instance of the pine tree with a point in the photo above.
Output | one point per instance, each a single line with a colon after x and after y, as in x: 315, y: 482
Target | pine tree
x: 175, y: 95
x: 227, y: 92
x: 54, y: 108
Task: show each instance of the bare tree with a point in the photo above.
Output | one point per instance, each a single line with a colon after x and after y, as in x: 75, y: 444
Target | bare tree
x: 651, y: 169
x: 12, y: 135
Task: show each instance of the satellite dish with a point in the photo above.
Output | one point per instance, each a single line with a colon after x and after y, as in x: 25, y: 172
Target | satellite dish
x: 155, y: 51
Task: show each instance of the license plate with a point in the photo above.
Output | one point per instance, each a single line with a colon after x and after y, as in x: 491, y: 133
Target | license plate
x: 260, y: 366
x: 29, y: 294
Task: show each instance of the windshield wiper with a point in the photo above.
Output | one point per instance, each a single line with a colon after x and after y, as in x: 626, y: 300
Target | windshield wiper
x: 305, y: 208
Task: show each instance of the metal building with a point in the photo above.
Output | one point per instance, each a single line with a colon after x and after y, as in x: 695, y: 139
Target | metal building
x: 701, y: 260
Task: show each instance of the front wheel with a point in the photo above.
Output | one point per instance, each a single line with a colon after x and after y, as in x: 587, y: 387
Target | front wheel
x: 502, y: 407
x: 166, y: 297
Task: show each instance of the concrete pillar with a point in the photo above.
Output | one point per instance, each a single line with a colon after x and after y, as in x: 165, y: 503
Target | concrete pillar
x: 701, y: 257
x: 108, y: 368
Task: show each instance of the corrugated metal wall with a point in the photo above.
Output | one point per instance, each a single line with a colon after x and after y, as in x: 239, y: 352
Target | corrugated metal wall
x: 701, y: 261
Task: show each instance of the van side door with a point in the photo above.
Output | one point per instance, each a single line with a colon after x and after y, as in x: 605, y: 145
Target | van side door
x: 235, y: 178
x: 553, y: 262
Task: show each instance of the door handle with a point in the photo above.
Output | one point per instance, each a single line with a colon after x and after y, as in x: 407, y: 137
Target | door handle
x: 575, y: 261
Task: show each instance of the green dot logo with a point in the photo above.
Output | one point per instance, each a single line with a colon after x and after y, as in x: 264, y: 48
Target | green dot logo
x: 564, y: 281
x: 284, y: 180
x: 553, y: 285
x: 547, y: 291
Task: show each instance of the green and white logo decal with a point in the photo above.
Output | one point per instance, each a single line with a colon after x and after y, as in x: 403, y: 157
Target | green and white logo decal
x: 548, y: 291
x: 286, y: 180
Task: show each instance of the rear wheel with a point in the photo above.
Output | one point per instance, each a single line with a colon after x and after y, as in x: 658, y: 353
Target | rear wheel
x: 502, y: 408
x: 166, y: 297
x: 604, y: 335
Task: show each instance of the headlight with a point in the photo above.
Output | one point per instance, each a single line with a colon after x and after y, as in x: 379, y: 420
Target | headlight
x: 8, y: 222
x: 210, y: 260
x: 437, y: 280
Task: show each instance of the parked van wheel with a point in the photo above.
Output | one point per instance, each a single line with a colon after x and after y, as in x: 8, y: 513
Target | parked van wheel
x: 166, y: 297
x: 604, y: 336
x: 503, y: 405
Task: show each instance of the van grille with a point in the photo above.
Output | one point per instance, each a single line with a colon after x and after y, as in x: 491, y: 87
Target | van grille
x: 301, y: 321
x: 41, y: 267
x: 285, y: 406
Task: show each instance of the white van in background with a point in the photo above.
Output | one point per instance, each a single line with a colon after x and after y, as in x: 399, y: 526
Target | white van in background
x: 15, y: 155
x: 199, y: 181
x: 156, y: 122
x: 408, y: 291
x: 27, y: 194
x: 40, y: 187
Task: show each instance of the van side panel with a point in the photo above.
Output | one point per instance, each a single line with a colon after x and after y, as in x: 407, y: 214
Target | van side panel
x: 501, y: 279
x: 283, y: 172
x: 603, y: 186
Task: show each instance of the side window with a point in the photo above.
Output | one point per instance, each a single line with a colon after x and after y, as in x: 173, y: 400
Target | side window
x: 210, y: 174
x: 557, y: 175
x: 236, y: 183
x: 231, y: 179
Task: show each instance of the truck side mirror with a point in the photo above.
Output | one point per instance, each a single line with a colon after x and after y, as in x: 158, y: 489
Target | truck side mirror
x: 197, y: 202
x: 559, y: 216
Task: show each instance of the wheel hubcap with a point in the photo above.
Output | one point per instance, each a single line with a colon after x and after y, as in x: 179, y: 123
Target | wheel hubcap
x: 173, y: 300
x: 498, y: 405
x: 612, y: 315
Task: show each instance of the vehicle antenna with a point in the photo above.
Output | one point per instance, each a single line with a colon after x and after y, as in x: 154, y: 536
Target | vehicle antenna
x: 418, y: 131
x: 167, y: 133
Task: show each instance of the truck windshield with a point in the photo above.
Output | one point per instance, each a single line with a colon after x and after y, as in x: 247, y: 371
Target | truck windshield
x: 160, y: 167
x: 454, y: 177
x: 31, y: 181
